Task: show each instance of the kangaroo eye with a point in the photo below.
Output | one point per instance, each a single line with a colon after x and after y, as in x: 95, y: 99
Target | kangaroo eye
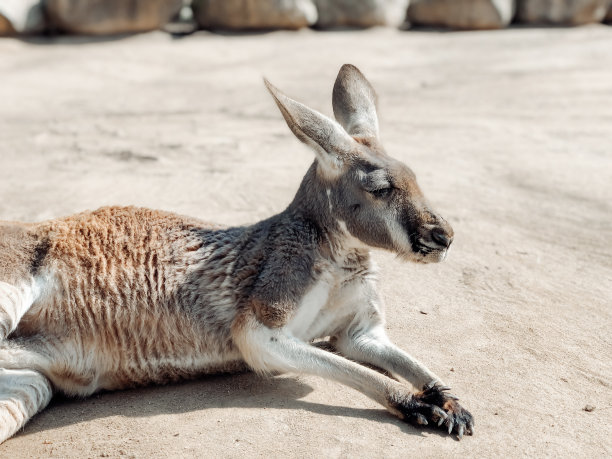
x: 381, y: 192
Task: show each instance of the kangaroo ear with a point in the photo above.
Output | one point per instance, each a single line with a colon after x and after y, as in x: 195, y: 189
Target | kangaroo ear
x: 354, y: 102
x: 329, y: 140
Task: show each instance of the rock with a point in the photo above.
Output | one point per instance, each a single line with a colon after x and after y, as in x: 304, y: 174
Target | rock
x: 561, y: 12
x: 183, y: 23
x: 608, y: 17
x: 21, y: 17
x: 5, y: 27
x: 363, y: 13
x: 462, y: 14
x: 107, y: 17
x: 254, y: 14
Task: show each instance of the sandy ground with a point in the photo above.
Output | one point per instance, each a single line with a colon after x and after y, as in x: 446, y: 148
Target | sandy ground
x: 510, y: 134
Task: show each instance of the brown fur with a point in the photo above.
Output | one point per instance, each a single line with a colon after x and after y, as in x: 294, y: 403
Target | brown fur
x: 17, y: 250
x: 120, y: 265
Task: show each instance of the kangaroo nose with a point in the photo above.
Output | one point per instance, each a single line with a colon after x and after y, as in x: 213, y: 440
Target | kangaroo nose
x: 441, y: 237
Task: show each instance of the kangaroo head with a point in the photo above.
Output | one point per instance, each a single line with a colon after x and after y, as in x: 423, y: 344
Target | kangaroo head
x: 370, y: 195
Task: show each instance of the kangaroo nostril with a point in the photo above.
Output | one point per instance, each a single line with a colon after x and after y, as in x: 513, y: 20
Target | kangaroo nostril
x: 441, y: 237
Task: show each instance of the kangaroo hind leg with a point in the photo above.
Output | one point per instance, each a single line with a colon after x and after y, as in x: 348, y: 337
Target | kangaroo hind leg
x: 23, y: 393
x: 24, y: 387
x: 14, y: 303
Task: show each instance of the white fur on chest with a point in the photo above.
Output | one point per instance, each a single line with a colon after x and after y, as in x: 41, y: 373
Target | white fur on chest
x: 330, y: 303
x: 312, y: 303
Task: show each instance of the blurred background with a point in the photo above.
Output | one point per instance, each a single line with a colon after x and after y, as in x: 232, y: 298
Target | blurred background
x: 503, y: 108
x: 129, y: 89
x: 107, y: 17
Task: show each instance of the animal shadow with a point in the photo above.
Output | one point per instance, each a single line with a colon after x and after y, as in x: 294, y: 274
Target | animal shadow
x: 245, y: 390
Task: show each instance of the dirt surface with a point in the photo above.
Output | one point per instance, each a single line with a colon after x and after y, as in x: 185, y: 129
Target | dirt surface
x: 510, y: 134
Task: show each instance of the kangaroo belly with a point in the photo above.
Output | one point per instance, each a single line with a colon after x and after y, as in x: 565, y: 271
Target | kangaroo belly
x: 171, y: 350
x: 82, y: 377
x: 118, y: 340
x: 116, y: 357
x: 168, y: 368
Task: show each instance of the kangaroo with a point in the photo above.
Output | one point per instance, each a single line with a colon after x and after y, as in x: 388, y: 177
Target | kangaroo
x: 123, y: 296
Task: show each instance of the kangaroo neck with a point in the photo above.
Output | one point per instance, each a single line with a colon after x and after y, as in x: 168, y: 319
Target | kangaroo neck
x: 312, y: 203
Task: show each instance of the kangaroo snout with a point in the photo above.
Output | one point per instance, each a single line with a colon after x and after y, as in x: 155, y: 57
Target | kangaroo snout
x: 442, y: 236
x: 434, y: 240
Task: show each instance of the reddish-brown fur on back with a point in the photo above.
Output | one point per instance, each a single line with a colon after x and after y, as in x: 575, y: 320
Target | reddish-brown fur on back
x: 116, y: 286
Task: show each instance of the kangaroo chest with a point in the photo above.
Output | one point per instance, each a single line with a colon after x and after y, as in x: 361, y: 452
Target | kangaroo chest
x: 331, y: 302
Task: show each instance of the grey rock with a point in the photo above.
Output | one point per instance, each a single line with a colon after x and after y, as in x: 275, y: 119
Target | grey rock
x: 608, y: 17
x: 106, y: 17
x: 21, y: 17
x: 361, y: 13
x: 254, y: 14
x: 462, y: 14
x: 561, y: 12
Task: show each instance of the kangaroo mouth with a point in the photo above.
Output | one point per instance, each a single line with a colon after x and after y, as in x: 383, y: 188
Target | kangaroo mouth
x: 419, y: 245
x: 410, y: 245
x: 422, y: 248
x: 428, y: 252
x: 426, y: 247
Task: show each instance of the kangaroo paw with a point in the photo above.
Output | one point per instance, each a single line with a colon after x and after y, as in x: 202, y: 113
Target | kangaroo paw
x: 457, y: 419
x: 415, y: 411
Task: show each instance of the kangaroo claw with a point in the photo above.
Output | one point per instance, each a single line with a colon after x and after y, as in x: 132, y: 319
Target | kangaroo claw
x: 435, y: 405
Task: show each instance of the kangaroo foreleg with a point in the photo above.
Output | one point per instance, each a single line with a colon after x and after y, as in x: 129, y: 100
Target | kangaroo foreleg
x: 372, y: 346
x: 272, y: 350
